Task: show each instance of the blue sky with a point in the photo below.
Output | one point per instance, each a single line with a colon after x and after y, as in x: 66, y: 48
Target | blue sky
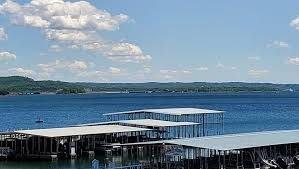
x: 140, y: 41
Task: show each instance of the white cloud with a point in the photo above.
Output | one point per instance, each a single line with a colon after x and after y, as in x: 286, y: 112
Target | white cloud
x: 10, y: 7
x: 101, y: 75
x: 254, y: 58
x: 21, y: 72
x: 72, y: 66
x: 167, y: 71
x: 168, y: 77
x: 73, y: 46
x: 220, y: 65
x: 147, y: 69
x: 202, y: 68
x: 55, y: 48
x: 91, y: 74
x: 34, y: 21
x: 233, y: 68
x: 7, y: 56
x: 278, y: 44
x: 186, y: 72
x: 294, y: 61
x: 46, y: 68
x: 295, y: 23
x: 78, y: 65
x: 173, y: 72
x: 93, y: 46
x: 58, y: 14
x: 257, y: 73
x: 126, y: 52
x: 51, y: 67
x: 3, y: 35
x: 77, y: 24
x: 114, y: 70
x: 67, y: 35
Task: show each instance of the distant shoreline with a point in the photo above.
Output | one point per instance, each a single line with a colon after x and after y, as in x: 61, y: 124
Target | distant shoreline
x: 18, y: 85
x: 108, y: 92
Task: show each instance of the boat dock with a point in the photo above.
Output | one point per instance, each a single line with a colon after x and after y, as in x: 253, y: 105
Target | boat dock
x: 171, y: 138
x: 277, y: 149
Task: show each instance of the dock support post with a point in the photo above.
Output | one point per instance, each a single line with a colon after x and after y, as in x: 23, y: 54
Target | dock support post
x: 33, y: 145
x: 22, y: 149
x: 94, y: 143
x: 15, y: 142
x: 57, y: 145
x: 224, y: 154
x: 237, y: 161
x: 51, y: 146
x: 219, y: 160
x: 27, y: 150
x: 38, y: 143
x: 45, y: 145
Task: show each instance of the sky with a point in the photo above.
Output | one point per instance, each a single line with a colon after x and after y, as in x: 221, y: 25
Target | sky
x: 146, y: 41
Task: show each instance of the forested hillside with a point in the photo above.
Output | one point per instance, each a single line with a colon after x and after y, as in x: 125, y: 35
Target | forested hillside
x: 21, y: 85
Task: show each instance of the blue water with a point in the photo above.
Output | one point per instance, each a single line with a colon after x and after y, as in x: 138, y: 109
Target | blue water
x: 245, y: 112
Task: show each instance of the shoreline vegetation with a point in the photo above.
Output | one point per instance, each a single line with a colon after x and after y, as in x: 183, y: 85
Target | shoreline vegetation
x: 18, y: 85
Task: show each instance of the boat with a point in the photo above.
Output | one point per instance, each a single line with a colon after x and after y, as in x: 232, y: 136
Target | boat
x: 39, y: 120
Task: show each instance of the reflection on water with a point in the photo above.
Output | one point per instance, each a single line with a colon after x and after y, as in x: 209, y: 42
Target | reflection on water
x: 82, y: 163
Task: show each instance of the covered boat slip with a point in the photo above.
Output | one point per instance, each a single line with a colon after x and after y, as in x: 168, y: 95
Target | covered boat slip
x: 133, y: 127
x: 276, y: 149
x: 166, y: 129
x: 69, y: 141
x: 168, y: 114
x: 248, y: 150
x: 172, y: 111
x: 142, y: 123
x: 240, y: 141
x: 211, y: 121
x: 79, y: 131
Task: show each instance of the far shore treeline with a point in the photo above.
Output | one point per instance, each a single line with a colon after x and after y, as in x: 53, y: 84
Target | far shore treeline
x: 23, y: 85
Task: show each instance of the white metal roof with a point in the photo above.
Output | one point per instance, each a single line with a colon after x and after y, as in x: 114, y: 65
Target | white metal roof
x: 232, y: 141
x: 96, y: 124
x: 240, y: 141
x: 171, y: 111
x: 84, y: 130
x: 156, y: 123
x: 143, y: 122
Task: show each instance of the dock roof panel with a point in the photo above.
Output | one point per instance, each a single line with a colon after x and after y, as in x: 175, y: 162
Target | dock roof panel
x: 241, y: 141
x: 232, y: 141
x: 156, y: 123
x: 144, y: 122
x: 83, y: 130
x: 171, y: 111
x: 96, y: 123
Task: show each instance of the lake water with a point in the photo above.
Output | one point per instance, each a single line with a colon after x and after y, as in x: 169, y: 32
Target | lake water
x: 245, y: 112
